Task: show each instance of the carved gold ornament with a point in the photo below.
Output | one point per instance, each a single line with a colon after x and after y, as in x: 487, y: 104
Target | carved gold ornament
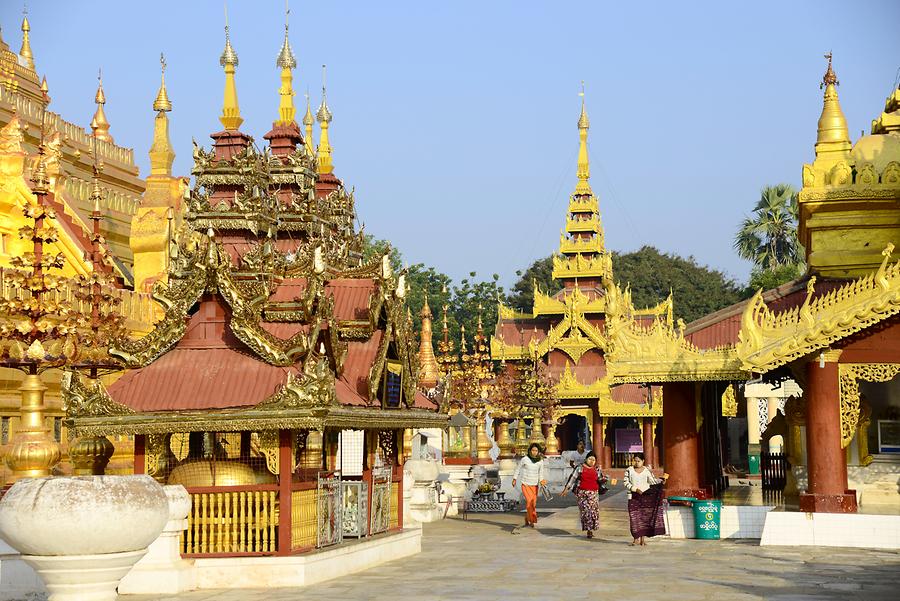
x: 849, y: 375
x: 729, y: 402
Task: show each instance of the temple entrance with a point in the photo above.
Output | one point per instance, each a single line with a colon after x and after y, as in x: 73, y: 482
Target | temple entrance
x: 572, y: 428
x: 625, y: 438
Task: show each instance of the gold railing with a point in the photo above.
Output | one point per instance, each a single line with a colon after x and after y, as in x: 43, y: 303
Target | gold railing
x: 303, y: 519
x: 244, y: 521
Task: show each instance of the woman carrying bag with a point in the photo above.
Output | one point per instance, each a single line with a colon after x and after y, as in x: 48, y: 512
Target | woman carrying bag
x: 588, y: 486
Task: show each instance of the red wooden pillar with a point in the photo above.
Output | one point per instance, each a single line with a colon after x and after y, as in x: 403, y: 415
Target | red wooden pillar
x: 139, y: 452
x: 681, y: 444
x: 285, y: 479
x: 826, y: 460
x: 649, y: 457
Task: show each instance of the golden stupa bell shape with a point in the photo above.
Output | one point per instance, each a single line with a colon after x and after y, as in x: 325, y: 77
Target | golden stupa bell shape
x: 428, y: 367
x: 833, y: 135
x: 162, y: 102
x: 308, y: 122
x: 162, y: 155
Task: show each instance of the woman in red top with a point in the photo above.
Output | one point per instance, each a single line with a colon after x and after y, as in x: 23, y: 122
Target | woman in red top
x: 587, y: 485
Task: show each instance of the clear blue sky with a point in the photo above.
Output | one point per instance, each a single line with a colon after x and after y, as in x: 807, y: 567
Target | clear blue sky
x: 456, y: 121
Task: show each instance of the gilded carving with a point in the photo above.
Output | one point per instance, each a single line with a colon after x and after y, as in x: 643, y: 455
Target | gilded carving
x: 729, y: 402
x: 269, y: 448
x: 850, y: 374
x: 768, y: 340
x: 81, y: 399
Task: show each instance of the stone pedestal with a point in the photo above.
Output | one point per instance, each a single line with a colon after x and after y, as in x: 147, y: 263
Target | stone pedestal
x: 423, y: 502
x: 83, y: 534
x: 162, y: 570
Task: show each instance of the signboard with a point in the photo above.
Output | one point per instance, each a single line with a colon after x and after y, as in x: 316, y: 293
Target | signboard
x: 628, y: 440
x: 888, y: 436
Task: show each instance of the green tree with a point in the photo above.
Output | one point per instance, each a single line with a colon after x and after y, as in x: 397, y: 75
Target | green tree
x: 375, y: 247
x: 521, y: 297
x: 471, y: 299
x: 768, y: 237
x: 766, y: 279
x: 697, y: 290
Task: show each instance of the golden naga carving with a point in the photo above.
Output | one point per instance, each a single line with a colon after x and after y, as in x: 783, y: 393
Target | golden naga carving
x: 729, y: 402
x: 659, y: 352
x: 314, y: 389
x: 768, y: 340
x: 81, y: 399
x: 849, y: 375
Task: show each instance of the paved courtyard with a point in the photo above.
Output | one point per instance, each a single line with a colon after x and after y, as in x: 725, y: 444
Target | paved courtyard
x: 480, y: 559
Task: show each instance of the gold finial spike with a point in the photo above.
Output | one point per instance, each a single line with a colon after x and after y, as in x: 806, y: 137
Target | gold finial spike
x: 26, y: 57
x: 161, y: 153
x: 323, y: 115
x: 833, y: 134
x: 231, y: 111
x: 162, y: 102
x: 583, y: 187
x: 308, y: 126
x: 286, y: 111
x: 101, y: 131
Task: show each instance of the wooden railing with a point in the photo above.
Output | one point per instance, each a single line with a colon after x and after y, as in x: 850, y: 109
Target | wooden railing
x: 239, y: 520
x: 303, y: 516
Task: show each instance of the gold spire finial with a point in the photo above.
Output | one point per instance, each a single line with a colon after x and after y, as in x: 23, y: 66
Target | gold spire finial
x: 833, y: 134
x: 231, y: 111
x: 162, y: 102
x: 287, y: 62
x: 308, y: 126
x: 25, y: 54
x: 583, y: 187
x: 161, y: 153
x: 428, y: 367
x: 323, y: 115
x: 101, y: 131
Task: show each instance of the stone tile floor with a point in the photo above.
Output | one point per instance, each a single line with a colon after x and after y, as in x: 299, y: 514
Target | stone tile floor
x: 479, y: 559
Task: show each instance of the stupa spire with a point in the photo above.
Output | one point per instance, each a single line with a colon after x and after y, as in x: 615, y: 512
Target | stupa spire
x: 308, y: 121
x: 101, y: 131
x: 428, y: 368
x: 584, y: 167
x: 323, y: 116
x: 25, y: 54
x: 833, y: 135
x: 231, y: 111
x: 287, y: 62
x: 161, y: 153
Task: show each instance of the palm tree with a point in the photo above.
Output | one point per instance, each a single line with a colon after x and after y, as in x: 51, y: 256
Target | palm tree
x: 768, y: 238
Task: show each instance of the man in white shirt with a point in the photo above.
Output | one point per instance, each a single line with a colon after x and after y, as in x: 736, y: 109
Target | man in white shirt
x: 577, y: 456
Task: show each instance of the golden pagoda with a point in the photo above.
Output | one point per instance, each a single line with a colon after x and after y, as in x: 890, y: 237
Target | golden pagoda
x: 429, y: 374
x: 565, y: 331
x: 850, y: 202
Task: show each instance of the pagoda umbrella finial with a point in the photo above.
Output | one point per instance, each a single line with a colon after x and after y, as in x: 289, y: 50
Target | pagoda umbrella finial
x: 583, y: 187
x: 323, y: 115
x: 833, y: 135
x: 231, y: 111
x: 26, y: 57
x: 287, y: 62
x: 101, y: 131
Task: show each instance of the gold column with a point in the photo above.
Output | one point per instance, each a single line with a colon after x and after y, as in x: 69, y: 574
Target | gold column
x: 406, y: 452
x: 90, y: 455
x: 33, y: 452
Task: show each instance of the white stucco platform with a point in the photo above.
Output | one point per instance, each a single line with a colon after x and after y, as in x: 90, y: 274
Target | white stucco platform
x: 859, y: 530
x: 309, y: 568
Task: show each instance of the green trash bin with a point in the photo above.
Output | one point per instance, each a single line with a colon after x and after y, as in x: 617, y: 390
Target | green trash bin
x: 753, y: 464
x: 707, y: 519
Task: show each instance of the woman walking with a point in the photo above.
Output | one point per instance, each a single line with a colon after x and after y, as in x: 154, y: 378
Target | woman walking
x: 530, y: 472
x: 588, y: 480
x: 645, y: 501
